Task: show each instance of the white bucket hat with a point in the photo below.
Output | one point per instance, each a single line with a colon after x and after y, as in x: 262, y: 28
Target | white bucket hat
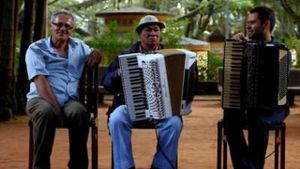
x: 149, y: 20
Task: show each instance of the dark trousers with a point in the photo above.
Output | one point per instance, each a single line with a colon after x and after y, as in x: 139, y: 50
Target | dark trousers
x: 251, y: 155
x: 45, y: 119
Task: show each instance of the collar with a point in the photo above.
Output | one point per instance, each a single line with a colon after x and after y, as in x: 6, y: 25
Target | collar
x: 143, y: 49
x: 72, y: 43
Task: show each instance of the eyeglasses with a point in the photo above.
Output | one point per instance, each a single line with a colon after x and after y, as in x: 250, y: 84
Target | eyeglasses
x: 60, y: 25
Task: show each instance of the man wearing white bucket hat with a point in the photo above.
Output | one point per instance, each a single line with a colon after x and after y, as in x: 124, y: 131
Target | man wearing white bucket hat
x: 119, y: 122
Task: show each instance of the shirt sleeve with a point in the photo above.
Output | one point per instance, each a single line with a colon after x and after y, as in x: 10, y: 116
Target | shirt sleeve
x: 111, y: 81
x: 35, y: 62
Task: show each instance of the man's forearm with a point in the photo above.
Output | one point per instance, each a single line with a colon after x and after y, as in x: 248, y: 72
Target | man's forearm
x: 45, y: 90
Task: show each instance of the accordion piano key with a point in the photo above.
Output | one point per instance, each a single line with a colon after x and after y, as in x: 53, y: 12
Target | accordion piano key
x: 254, y: 75
x: 153, y: 83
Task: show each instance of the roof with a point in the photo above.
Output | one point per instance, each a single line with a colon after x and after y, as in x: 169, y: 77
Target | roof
x: 132, y: 11
x: 194, y: 44
x: 190, y: 41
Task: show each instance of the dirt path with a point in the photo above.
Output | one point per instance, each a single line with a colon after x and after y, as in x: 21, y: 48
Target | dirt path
x: 197, y: 144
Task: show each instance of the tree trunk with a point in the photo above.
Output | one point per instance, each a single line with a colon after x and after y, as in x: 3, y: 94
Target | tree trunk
x: 7, y: 36
x: 22, y: 82
x: 40, y: 20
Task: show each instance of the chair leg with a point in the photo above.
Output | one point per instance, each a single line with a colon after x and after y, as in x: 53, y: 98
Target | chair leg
x: 279, y: 146
x: 276, y: 148
x: 282, y: 147
x: 94, y: 140
x: 177, y: 161
x: 31, y: 147
x: 224, y: 153
x: 219, y: 145
x: 112, y: 156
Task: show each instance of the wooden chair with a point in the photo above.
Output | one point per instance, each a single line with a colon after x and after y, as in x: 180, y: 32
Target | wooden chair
x: 279, y: 146
x: 89, y: 96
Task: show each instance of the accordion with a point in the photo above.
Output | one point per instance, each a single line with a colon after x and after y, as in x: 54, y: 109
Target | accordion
x: 254, y: 75
x: 158, y: 85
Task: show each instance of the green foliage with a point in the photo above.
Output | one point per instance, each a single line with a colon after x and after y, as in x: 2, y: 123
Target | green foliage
x: 213, y: 63
x: 173, y: 33
x: 287, y: 25
x: 294, y: 43
x: 111, y: 42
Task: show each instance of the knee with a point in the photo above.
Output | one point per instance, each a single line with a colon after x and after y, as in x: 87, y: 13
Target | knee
x: 175, y: 123
x: 76, y: 112
x: 81, y: 113
x: 45, y: 113
x: 82, y: 117
x: 118, y: 117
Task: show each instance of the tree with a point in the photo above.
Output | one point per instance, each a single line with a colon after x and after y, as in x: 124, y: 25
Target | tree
x: 40, y: 23
x: 34, y: 10
x: 7, y: 36
x: 288, y: 17
x: 209, y: 15
x: 22, y: 81
x: 199, y: 17
x: 292, y: 9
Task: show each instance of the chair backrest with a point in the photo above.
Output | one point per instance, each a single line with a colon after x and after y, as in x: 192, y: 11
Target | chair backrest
x: 88, y: 90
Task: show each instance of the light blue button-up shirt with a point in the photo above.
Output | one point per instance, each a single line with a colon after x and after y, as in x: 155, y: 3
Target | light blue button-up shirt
x: 62, y: 73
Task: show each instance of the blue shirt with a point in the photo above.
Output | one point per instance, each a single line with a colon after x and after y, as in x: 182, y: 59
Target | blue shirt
x: 62, y: 73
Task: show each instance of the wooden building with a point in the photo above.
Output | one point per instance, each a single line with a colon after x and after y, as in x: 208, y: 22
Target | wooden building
x: 126, y: 17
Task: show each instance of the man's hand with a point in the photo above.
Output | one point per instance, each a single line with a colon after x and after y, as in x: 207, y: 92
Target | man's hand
x: 239, y: 37
x: 94, y: 58
x: 45, y: 91
x: 119, y: 72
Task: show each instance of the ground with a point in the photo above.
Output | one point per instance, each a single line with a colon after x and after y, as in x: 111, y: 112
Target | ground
x: 197, y: 149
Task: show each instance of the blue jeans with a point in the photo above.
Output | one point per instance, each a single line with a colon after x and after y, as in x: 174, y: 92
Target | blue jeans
x: 120, y: 128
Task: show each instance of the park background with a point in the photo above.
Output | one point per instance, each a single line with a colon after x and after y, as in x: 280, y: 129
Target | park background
x: 198, y: 25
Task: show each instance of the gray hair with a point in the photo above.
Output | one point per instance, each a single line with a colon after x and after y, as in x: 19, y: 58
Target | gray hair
x: 63, y: 11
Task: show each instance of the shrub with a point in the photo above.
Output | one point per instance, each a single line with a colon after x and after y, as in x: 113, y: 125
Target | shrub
x: 213, y: 63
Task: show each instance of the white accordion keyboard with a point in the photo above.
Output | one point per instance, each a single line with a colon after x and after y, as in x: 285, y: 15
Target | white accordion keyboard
x: 154, y: 83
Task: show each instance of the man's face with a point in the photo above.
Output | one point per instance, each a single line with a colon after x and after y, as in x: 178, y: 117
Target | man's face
x: 255, y: 29
x: 62, y: 27
x: 150, y: 35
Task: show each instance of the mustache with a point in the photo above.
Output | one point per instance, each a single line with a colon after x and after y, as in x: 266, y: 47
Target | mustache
x: 149, y: 36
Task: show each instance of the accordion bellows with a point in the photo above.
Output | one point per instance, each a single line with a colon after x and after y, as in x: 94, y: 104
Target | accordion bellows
x: 158, y: 85
x: 254, y: 75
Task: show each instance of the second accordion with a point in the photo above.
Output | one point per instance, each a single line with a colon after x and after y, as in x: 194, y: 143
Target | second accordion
x: 254, y: 75
x: 158, y: 85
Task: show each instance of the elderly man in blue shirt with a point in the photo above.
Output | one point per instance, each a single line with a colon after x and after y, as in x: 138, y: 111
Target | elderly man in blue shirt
x: 54, y: 67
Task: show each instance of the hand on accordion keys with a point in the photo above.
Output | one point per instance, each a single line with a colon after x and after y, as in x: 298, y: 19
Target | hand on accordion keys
x: 240, y: 37
x: 119, y: 72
